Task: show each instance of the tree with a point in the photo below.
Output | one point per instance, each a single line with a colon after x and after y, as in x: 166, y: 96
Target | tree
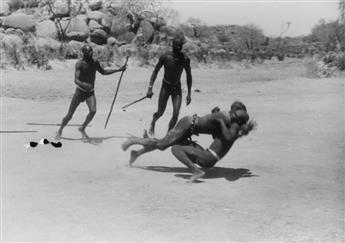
x: 342, y: 11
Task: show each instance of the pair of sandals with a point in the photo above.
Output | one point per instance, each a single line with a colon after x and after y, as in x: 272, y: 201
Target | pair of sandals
x: 43, y: 141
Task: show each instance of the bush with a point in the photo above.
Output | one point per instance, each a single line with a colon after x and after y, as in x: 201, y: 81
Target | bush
x: 15, y: 5
x: 340, y: 61
x: 18, y: 4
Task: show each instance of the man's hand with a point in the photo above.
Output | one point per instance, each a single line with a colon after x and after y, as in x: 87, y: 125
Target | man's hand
x: 123, y: 68
x: 188, y: 99
x: 215, y: 110
x: 149, y: 93
x: 248, y: 127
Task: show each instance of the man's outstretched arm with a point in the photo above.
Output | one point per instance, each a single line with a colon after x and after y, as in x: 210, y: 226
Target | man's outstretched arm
x: 108, y: 71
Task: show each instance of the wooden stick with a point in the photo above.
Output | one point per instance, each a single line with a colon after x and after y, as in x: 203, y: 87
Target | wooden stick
x: 117, y: 89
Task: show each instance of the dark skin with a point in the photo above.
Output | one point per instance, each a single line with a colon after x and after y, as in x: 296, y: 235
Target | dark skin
x: 84, y: 78
x: 174, y: 63
x: 224, y: 128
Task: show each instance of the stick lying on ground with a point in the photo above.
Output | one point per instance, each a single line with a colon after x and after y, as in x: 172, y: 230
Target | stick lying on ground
x: 53, y: 124
x: 117, y: 89
x: 17, y: 131
x: 132, y: 103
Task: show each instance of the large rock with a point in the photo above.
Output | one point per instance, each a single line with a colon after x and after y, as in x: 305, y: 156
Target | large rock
x: 146, y: 30
x: 95, y: 15
x: 127, y: 37
x: 95, y: 4
x: 168, y: 30
x: 46, y: 28
x: 61, y: 9
x: 119, y: 26
x: 93, y: 25
x: 78, y: 24
x: 12, y: 31
x: 77, y: 36
x: 99, y: 37
x: 107, y: 20
x: 20, y: 21
x: 4, y: 9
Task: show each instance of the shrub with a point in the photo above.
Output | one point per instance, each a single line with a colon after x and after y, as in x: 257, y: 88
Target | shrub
x: 340, y: 61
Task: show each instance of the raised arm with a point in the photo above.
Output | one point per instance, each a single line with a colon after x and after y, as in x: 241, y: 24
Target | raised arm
x: 189, y: 80
x: 82, y: 85
x: 154, y: 76
x: 108, y: 71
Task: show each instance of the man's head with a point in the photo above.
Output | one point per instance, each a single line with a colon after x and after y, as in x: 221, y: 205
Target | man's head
x: 177, y: 44
x: 238, y: 105
x: 87, y: 51
x: 238, y: 113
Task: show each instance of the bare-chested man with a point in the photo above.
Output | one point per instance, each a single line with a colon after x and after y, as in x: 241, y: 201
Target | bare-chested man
x: 85, y: 74
x: 225, y: 127
x: 174, y: 63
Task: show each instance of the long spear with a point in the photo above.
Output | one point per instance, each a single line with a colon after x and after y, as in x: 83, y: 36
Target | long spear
x: 117, y: 89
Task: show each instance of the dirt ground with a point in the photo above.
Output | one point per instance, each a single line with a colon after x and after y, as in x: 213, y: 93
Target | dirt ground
x: 282, y: 183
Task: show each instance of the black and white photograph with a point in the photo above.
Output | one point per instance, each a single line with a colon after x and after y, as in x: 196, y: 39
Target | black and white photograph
x: 172, y: 120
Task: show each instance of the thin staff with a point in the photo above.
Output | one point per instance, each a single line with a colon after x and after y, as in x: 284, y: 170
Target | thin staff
x: 117, y: 90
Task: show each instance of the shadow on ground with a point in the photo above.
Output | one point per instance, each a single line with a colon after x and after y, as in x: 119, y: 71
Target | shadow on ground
x: 229, y: 174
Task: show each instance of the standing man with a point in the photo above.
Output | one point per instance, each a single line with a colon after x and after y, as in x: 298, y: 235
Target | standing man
x: 174, y: 62
x: 85, y: 74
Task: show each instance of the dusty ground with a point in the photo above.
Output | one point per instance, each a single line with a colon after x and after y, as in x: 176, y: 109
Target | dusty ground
x: 282, y: 183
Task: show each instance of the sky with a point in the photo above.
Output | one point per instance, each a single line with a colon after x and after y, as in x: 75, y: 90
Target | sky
x: 270, y: 15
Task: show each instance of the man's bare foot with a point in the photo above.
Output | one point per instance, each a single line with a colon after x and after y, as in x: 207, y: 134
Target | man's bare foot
x: 134, y: 156
x: 58, y: 135
x: 152, y: 131
x: 126, y: 144
x: 145, y: 135
x: 83, y: 134
x: 196, y: 175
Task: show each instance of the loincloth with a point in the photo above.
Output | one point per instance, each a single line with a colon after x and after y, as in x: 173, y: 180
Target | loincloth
x: 82, y: 94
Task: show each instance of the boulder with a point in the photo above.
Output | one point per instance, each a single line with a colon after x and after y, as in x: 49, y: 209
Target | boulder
x: 4, y: 9
x: 126, y: 37
x: 168, y: 30
x: 95, y: 15
x: 99, y: 37
x: 20, y: 21
x: 77, y: 35
x: 95, y: 4
x: 11, y: 31
x: 119, y: 26
x: 107, y: 20
x: 47, y: 28
x: 112, y: 41
x: 78, y: 24
x: 2, y: 35
x: 93, y: 25
x: 61, y: 9
x: 146, y: 30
